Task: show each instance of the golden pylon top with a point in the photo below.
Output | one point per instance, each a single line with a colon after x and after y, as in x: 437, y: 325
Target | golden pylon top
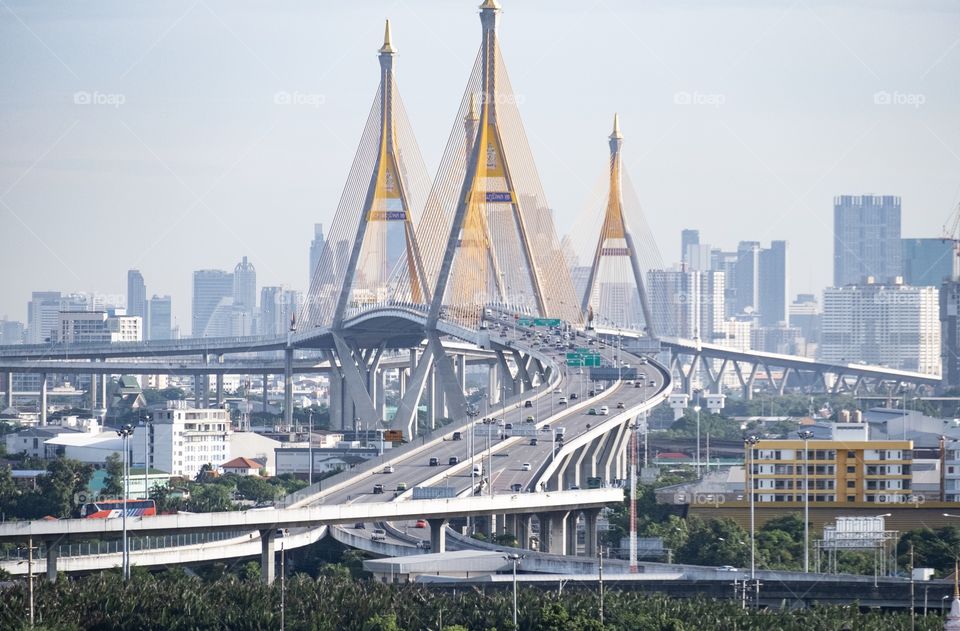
x: 616, y: 135
x: 490, y: 4
x: 387, y: 48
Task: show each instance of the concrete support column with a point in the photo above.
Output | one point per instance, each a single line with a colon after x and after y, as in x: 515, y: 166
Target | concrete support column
x: 335, y: 407
x: 438, y: 536
x: 380, y: 391
x: 267, y: 556
x: 10, y: 389
x: 590, y: 538
x: 43, y: 399
x: 571, y: 532
x: 493, y: 383
x: 104, y: 403
x: 288, y: 387
x: 205, y: 395
x: 93, y: 392
x: 219, y: 389
x: 266, y: 400
x: 197, y: 387
x: 431, y: 389
x: 493, y: 521
x: 523, y: 530
x: 462, y: 371
x: 553, y: 536
x: 510, y: 525
x: 53, y: 550
x: 402, y: 375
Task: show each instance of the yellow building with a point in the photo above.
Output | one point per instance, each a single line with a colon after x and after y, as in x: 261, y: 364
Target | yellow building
x: 845, y: 469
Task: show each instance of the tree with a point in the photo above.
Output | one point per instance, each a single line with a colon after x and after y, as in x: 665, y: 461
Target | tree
x: 931, y: 548
x: 64, y: 480
x: 256, y: 489
x: 382, y: 622
x: 209, y: 498
x: 8, y: 488
x: 113, y: 483
x: 715, y: 542
x: 164, y: 499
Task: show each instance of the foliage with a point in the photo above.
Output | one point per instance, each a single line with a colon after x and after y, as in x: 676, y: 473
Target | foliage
x: 931, y: 548
x: 113, y: 483
x: 175, y: 601
x: 54, y: 495
x: 209, y: 498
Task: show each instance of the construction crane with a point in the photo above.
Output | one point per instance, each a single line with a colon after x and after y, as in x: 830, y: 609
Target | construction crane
x: 951, y: 231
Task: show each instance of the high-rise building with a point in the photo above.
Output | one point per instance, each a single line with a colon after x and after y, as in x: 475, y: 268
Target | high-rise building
x: 137, y: 296
x: 688, y: 237
x: 685, y: 303
x: 928, y: 262
x: 181, y: 440
x: 161, y: 318
x: 866, y: 239
x: 773, y: 291
x: 746, y: 278
x: 43, y: 316
x: 950, y: 331
x: 316, y: 251
x: 270, y: 319
x: 891, y: 325
x: 212, y: 292
x: 805, y: 315
x: 11, y: 332
x: 245, y: 285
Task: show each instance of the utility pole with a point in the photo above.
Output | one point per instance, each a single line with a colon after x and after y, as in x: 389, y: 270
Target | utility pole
x: 600, y: 558
x: 125, y: 433
x: 806, y: 435
x: 633, y: 499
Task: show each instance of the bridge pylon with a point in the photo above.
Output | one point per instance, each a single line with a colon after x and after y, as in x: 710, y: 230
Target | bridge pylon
x: 616, y: 271
x: 371, y: 257
x: 487, y: 226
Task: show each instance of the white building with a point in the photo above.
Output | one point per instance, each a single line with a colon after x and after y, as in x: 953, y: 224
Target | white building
x: 78, y: 327
x: 886, y: 325
x: 180, y: 440
x: 951, y: 470
x: 255, y: 447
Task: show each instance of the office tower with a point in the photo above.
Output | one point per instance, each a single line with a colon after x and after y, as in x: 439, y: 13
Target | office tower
x: 271, y: 322
x: 316, y: 251
x: 773, y: 289
x: 11, y: 332
x: 805, y: 315
x: 688, y: 237
x: 212, y: 292
x: 685, y: 303
x: 950, y: 331
x: 746, y: 278
x: 866, y: 239
x: 891, y: 325
x: 136, y: 296
x: 43, y: 316
x: 928, y: 262
x: 160, y: 321
x: 245, y: 285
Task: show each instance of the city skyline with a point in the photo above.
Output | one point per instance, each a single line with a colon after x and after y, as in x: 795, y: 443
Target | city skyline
x: 265, y: 195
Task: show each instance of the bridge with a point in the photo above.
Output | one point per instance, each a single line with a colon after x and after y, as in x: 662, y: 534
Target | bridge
x: 421, y: 280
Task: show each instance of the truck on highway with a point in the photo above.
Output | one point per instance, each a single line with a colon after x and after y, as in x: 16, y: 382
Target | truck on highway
x: 560, y: 432
x: 478, y: 469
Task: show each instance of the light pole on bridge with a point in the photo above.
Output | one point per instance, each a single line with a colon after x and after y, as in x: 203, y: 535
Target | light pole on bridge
x: 125, y: 433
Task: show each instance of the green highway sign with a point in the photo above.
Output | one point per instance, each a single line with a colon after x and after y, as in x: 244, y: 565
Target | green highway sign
x: 529, y: 322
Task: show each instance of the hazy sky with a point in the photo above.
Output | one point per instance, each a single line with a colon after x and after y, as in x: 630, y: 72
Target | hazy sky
x: 147, y: 134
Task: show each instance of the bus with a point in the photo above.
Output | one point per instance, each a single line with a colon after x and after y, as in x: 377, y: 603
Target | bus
x: 108, y: 509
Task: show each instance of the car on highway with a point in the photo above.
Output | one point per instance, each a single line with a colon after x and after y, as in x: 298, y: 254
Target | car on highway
x: 457, y: 436
x: 592, y: 412
x: 638, y: 385
x: 574, y: 487
x: 574, y: 396
x: 516, y: 488
x: 388, y: 468
x: 377, y: 489
x: 434, y: 462
x: 620, y: 405
x: 558, y: 391
x: 453, y: 460
x: 378, y: 534
x: 533, y: 442
x: 652, y: 383
x: 592, y: 393
x: 359, y: 526
x: 604, y: 410
x: 562, y: 401
x: 528, y: 404
x: 424, y: 545
x: 401, y: 487
x: 421, y: 523
x: 525, y: 466
x: 530, y: 419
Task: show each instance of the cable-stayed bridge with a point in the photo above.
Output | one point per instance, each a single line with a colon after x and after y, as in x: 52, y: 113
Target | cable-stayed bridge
x: 425, y: 280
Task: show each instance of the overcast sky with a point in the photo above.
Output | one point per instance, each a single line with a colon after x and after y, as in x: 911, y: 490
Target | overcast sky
x: 147, y: 134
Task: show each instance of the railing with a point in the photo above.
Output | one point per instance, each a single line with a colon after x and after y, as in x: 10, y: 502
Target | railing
x: 135, y: 544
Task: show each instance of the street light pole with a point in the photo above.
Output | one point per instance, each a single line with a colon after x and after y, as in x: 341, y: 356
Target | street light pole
x: 696, y: 409
x: 600, y: 576
x: 125, y: 432
x: 751, y: 442
x: 310, y: 447
x: 806, y: 435
x: 515, y: 558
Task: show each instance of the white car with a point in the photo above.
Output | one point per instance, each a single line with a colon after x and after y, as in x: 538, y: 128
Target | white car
x: 558, y: 391
x: 378, y: 534
x: 604, y: 410
x: 563, y: 401
x: 388, y: 468
x: 525, y: 466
